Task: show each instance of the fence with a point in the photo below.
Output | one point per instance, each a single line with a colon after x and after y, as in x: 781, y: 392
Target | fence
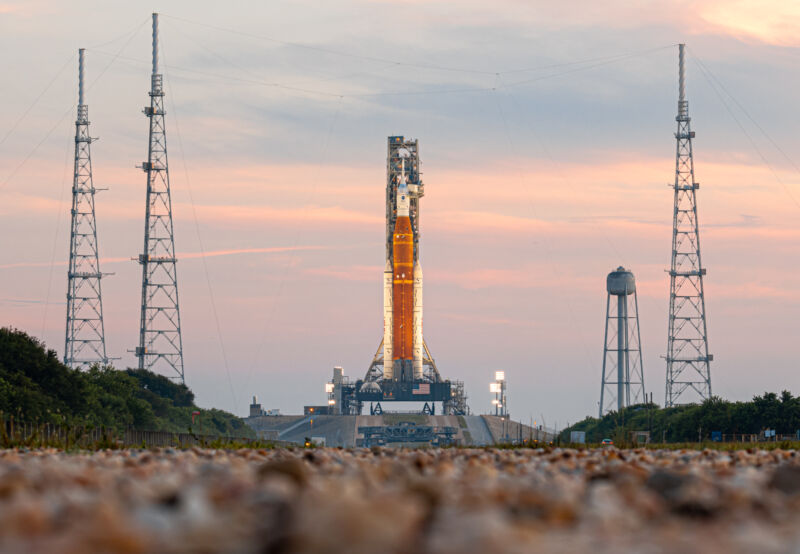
x: 14, y: 433
x: 751, y: 437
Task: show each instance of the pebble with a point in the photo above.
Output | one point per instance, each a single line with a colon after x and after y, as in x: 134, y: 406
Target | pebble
x: 296, y: 501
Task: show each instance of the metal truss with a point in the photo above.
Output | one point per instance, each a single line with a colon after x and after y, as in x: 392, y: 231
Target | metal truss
x: 403, y: 158
x: 688, y: 360
x: 160, y: 344
x: 375, y: 371
x: 85, y: 343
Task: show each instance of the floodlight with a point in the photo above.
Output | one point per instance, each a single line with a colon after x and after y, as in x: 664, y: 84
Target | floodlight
x: 331, y: 402
x: 329, y: 387
x: 494, y: 387
x: 499, y: 375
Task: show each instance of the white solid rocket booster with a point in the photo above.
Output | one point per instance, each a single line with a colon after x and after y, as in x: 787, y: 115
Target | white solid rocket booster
x: 417, y: 321
x: 388, y: 362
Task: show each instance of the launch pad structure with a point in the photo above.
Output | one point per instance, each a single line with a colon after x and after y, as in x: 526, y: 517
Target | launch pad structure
x: 402, y: 369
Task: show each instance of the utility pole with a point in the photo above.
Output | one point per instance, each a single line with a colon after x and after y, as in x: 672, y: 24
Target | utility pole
x: 85, y: 343
x: 688, y: 360
x: 160, y: 344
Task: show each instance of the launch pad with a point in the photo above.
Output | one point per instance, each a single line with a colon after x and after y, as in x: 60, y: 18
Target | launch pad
x: 387, y: 390
x: 402, y: 369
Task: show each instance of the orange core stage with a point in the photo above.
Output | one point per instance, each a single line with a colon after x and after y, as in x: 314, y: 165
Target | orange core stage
x: 403, y: 290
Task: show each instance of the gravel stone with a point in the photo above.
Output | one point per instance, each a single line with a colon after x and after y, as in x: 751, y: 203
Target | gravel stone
x: 464, y: 501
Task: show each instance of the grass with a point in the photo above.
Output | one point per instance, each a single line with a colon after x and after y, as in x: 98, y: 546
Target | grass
x: 71, y: 438
x: 705, y: 445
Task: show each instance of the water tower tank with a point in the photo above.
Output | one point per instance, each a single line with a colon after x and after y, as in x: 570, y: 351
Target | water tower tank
x: 620, y: 282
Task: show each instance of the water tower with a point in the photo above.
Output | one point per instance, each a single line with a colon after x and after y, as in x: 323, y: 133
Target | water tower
x: 623, y: 379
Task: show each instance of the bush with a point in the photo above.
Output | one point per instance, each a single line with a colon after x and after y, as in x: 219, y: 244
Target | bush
x: 36, y: 386
x: 695, y: 422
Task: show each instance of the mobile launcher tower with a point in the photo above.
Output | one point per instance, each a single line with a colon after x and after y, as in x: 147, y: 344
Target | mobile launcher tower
x: 402, y: 369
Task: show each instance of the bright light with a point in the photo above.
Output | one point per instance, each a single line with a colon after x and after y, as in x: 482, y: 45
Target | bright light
x: 495, y: 402
x: 494, y: 387
x: 331, y: 402
x: 329, y: 387
x: 499, y: 375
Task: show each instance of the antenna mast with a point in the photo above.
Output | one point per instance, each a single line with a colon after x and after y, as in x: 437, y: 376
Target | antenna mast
x: 85, y: 337
x: 160, y: 345
x: 688, y: 360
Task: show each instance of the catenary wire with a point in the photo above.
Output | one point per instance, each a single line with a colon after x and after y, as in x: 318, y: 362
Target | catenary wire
x: 330, y: 51
x: 744, y: 131
x: 36, y: 100
x: 199, y: 236
x: 746, y: 113
x: 67, y: 112
x: 297, y: 237
x: 64, y: 181
x: 340, y: 94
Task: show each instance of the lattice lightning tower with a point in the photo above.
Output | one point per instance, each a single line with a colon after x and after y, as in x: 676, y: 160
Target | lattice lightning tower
x: 85, y: 337
x: 160, y: 345
x: 688, y: 360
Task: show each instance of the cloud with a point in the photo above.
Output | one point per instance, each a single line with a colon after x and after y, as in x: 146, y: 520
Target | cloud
x: 27, y: 302
x: 772, y: 22
x: 479, y: 319
x: 753, y: 290
x: 360, y: 273
x: 311, y: 214
x: 182, y: 255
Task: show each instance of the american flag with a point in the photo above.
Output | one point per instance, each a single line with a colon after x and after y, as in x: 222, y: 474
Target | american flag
x: 421, y: 388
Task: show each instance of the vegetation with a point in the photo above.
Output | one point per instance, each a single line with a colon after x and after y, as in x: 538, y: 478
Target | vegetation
x: 695, y: 422
x: 36, y: 387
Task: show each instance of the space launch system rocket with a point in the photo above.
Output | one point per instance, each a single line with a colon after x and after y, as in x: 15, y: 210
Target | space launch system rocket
x: 402, y: 300
x: 402, y: 368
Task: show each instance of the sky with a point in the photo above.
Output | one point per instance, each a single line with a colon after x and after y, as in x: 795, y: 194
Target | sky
x: 547, y: 150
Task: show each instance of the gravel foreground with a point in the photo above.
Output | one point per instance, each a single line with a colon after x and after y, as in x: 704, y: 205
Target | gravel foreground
x: 404, y: 501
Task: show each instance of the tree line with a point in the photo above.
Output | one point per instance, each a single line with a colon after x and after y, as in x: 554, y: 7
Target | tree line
x: 36, y: 387
x: 697, y: 422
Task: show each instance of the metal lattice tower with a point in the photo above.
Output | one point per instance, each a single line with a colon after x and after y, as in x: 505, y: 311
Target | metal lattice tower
x: 688, y: 360
x: 623, y: 377
x: 85, y: 337
x: 160, y: 345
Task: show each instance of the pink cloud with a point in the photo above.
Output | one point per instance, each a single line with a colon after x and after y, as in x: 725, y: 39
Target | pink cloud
x: 361, y: 273
x: 183, y: 255
x: 773, y: 22
x: 488, y: 320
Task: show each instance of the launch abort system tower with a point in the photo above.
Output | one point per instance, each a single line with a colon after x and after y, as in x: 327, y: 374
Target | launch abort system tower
x: 623, y: 378
x: 688, y: 360
x: 403, y: 369
x: 160, y: 345
x: 85, y: 338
